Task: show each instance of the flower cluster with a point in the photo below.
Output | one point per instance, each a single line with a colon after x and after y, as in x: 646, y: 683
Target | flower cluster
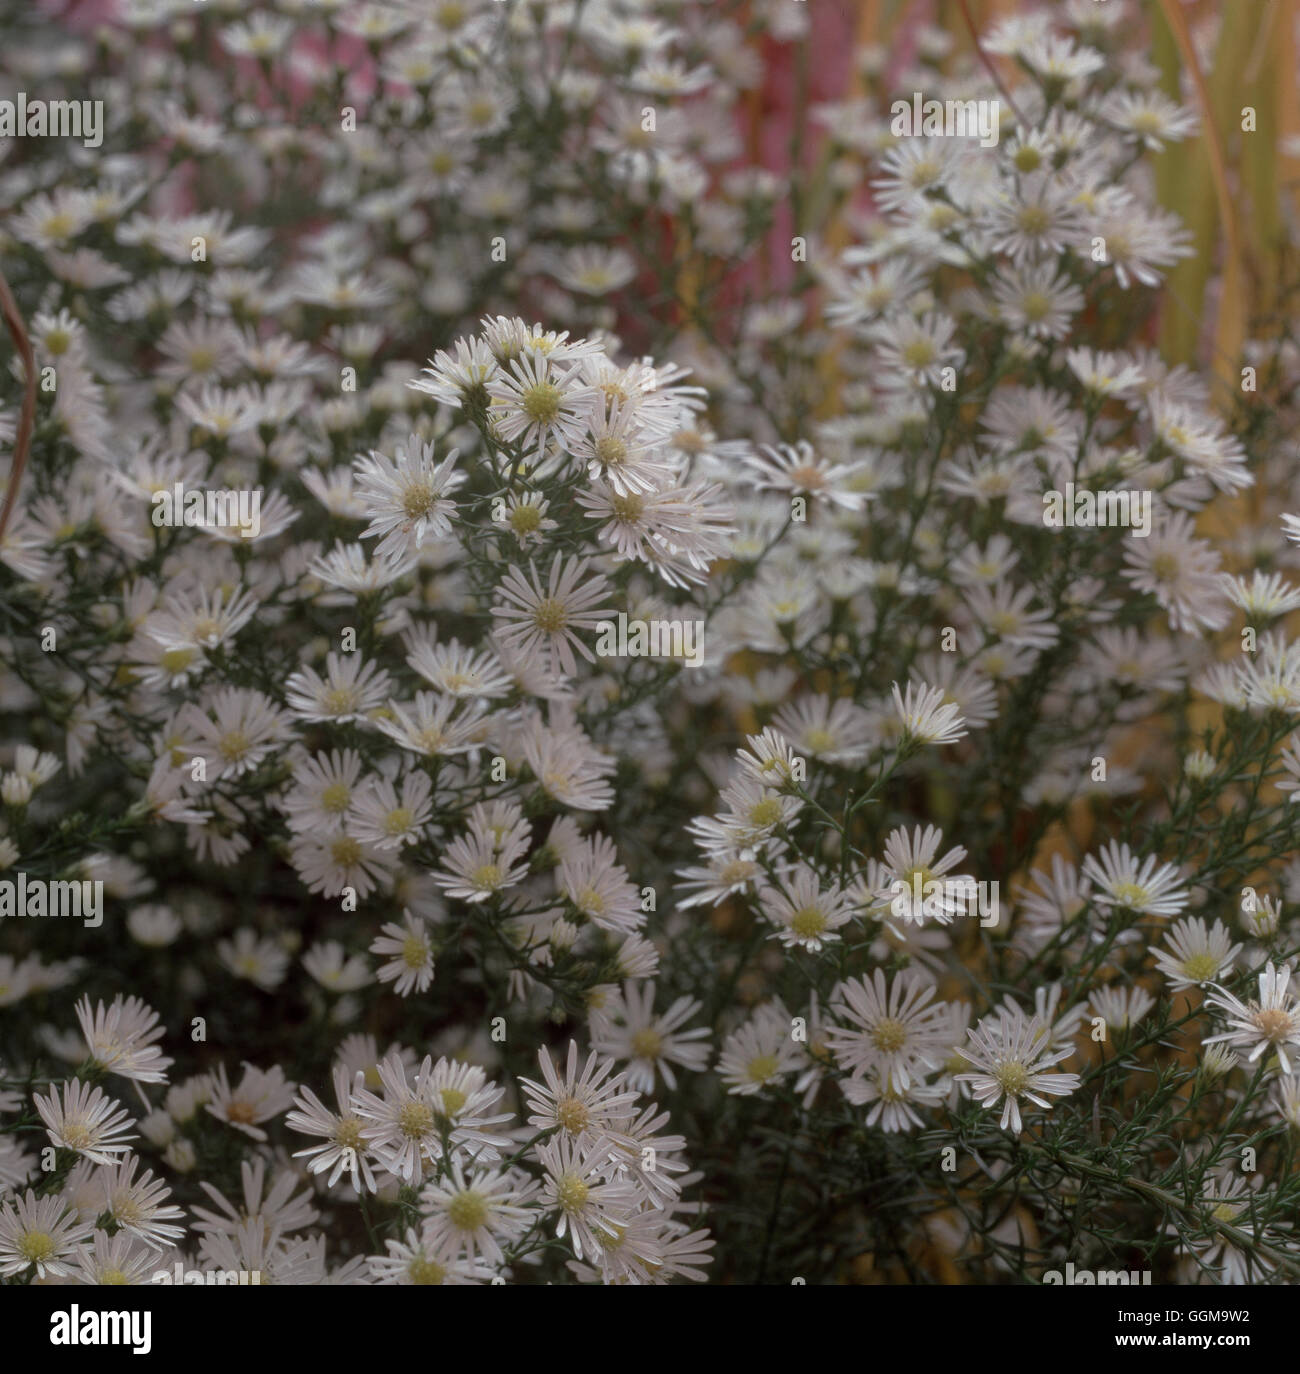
x: 590, y: 749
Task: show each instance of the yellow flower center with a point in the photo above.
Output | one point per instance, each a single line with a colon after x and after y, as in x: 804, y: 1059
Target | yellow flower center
x: 398, y: 821
x: 1274, y: 1024
x: 415, y: 1120
x: 418, y: 499
x: 572, y: 1115
x: 647, y: 1043
x: 1033, y: 219
x: 764, y: 813
x: 345, y: 851
x: 58, y: 226
x: 1013, y: 1076
x: 541, y: 402
x: 1129, y: 894
x: 550, y: 615
x: 1200, y: 967
x: 177, y: 660
x: 453, y: 1100
x: 761, y: 1068
x: 808, y: 922
x: 889, y: 1035
x: 488, y: 876
x: 338, y: 700
x: 234, y: 744
x: 919, y: 353
x: 809, y: 475
x: 1035, y: 306
x: 36, y: 1247
x: 611, y: 450
x: 468, y: 1210
x: 348, y: 1133
x: 571, y: 1193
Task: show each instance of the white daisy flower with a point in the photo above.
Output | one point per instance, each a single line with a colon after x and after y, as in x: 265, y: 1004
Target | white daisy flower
x: 1195, y: 955
x: 1271, y: 1023
x: 589, y: 1208
x: 120, y: 1039
x: 410, y: 965
x: 424, y: 1260
x: 1014, y: 1060
x: 86, y: 1120
x: 896, y: 1029
x: 583, y: 1104
x: 343, y: 1148
x: 478, y: 1208
x: 544, y: 622
x: 928, y: 717
x: 408, y: 496
x: 806, y: 916
x: 760, y: 1053
x: 351, y: 689
x: 388, y: 821
x: 259, y: 1096
x: 1120, y: 881
x: 629, y: 1029
x: 43, y: 1233
x: 139, y: 1206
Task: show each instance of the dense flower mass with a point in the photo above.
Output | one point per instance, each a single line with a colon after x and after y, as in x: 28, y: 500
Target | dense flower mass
x: 545, y: 739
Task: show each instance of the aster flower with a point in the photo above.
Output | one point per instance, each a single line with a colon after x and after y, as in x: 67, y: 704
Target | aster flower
x: 928, y: 717
x: 407, y: 497
x: 259, y: 1096
x: 389, y: 821
x: 139, y: 1205
x: 424, y: 1260
x: 798, y: 469
x: 410, y: 965
x: 545, y: 621
x: 1121, y: 1008
x: 479, y: 1209
x: 628, y: 1028
x: 1270, y: 1023
x: 475, y: 868
x: 589, y: 1209
x: 342, y: 1148
x: 535, y: 398
x: 84, y: 1119
x: 1195, y: 955
x: 350, y: 690
x: 581, y: 1103
x: 910, y: 869
x: 1119, y: 880
x: 894, y: 1028
x: 121, y: 1259
x: 120, y: 1039
x: 236, y: 730
x: 1013, y: 1060
x: 40, y: 1233
x: 806, y: 915
x: 891, y: 1107
x: 759, y: 1053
